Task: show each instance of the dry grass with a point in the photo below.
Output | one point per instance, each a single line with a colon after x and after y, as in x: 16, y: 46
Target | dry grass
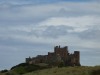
x: 66, y: 71
x: 83, y: 70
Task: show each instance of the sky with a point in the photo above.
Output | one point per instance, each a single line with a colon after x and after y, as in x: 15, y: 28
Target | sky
x: 34, y: 27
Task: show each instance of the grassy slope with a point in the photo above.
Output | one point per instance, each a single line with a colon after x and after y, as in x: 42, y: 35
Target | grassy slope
x: 2, y: 74
x: 35, y: 70
x: 68, y: 71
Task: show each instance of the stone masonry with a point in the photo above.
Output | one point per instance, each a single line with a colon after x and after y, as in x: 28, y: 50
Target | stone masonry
x: 59, y: 55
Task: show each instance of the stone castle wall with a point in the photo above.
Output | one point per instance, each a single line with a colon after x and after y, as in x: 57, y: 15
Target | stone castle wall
x: 59, y: 54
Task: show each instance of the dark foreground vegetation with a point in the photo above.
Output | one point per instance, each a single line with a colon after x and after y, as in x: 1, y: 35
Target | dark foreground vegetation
x: 44, y: 69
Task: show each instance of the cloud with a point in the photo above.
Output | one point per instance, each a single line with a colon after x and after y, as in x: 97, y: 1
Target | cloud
x: 33, y: 12
x: 93, y: 34
x: 78, y: 23
x: 27, y: 28
x: 53, y: 19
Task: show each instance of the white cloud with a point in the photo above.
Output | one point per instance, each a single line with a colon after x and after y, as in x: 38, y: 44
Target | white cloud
x: 75, y: 24
x: 16, y: 12
x: 80, y: 23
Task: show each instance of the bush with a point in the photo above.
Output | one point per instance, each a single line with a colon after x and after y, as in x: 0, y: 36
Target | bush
x: 61, y: 64
x: 95, y: 72
x: 25, y: 68
x: 3, y: 71
x: 22, y: 64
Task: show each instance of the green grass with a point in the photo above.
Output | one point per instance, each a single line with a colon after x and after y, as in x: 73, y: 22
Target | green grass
x: 24, y: 69
x: 68, y: 71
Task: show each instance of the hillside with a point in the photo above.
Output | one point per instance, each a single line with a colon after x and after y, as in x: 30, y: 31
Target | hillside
x: 68, y: 71
x: 23, y: 68
x: 26, y: 69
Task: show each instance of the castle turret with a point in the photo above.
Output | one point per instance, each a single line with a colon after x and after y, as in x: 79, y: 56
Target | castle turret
x: 77, y: 58
x: 63, y: 52
x: 28, y: 59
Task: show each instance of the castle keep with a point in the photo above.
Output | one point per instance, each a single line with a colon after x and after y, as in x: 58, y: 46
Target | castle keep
x: 59, y: 55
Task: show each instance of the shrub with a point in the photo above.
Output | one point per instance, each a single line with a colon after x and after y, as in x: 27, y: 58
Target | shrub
x: 3, y: 71
x: 95, y: 72
x: 61, y: 64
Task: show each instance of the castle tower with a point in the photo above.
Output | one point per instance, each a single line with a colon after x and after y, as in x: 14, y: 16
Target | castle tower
x: 77, y: 58
x: 63, y: 52
x: 28, y: 59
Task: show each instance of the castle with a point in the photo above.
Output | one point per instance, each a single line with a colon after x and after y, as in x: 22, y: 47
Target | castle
x: 59, y: 55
